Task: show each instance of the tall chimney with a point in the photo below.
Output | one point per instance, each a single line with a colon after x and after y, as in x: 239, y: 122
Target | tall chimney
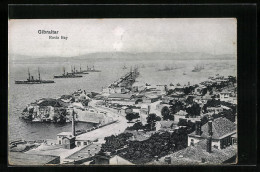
x: 210, y: 127
x: 198, y: 128
x: 73, y: 123
x: 149, y: 108
x: 209, y: 138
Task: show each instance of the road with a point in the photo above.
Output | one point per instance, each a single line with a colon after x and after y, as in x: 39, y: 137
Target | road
x: 112, y: 129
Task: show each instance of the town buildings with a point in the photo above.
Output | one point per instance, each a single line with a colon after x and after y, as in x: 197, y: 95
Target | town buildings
x: 222, y: 130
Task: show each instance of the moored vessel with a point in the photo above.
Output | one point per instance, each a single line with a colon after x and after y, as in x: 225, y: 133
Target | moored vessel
x: 31, y: 80
x: 67, y: 75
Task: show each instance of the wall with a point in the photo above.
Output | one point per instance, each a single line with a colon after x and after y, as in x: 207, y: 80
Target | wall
x: 197, y: 139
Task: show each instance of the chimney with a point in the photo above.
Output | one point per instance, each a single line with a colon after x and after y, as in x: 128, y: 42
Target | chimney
x: 73, y: 123
x: 210, y: 127
x: 209, y: 138
x: 149, y: 108
x: 198, y: 128
x: 209, y: 144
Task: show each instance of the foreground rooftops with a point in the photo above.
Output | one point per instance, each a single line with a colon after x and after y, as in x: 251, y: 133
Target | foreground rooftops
x: 17, y: 158
x: 197, y: 154
x: 220, y: 128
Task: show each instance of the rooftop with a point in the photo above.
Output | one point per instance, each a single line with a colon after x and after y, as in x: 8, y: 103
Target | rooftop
x: 85, y: 152
x: 166, y: 124
x: 16, y: 158
x: 195, y: 154
x: 118, y: 160
x: 123, y: 96
x: 64, y: 134
x: 220, y: 127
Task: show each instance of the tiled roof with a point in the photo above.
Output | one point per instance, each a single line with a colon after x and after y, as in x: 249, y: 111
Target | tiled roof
x: 166, y: 124
x: 17, y: 158
x: 194, y: 155
x: 220, y: 127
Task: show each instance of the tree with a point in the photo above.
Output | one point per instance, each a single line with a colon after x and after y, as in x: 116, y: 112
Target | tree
x: 182, y: 122
x: 176, y: 107
x: 194, y: 110
x: 151, y: 119
x: 188, y: 90
x: 131, y: 116
x: 227, y: 114
x: 189, y: 100
x: 136, y: 126
x: 166, y: 114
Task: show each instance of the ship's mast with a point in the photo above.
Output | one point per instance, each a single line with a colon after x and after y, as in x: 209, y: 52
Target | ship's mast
x: 74, y: 70
x: 80, y: 68
x: 64, y: 70
x: 29, y: 76
x: 39, y: 74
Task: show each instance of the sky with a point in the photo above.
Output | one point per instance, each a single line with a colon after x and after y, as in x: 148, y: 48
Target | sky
x: 214, y: 36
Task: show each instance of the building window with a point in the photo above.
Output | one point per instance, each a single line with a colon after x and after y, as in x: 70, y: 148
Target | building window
x: 85, y: 143
x: 59, y: 142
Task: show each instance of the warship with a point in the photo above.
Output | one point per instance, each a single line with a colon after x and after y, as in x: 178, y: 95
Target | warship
x: 31, y: 80
x: 74, y: 71
x: 89, y: 69
x: 67, y: 75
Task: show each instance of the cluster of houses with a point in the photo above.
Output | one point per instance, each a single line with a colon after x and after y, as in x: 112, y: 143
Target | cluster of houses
x: 151, y: 99
x: 213, y: 142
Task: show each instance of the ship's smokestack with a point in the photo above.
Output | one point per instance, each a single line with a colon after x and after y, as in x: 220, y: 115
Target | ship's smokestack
x: 39, y: 74
x: 209, y: 138
x: 198, y: 128
x: 29, y: 75
x: 73, y: 123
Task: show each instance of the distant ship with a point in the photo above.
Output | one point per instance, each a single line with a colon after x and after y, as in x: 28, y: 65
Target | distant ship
x: 198, y: 68
x: 74, y: 71
x: 31, y: 80
x: 67, y: 75
x: 89, y: 69
x: 167, y: 68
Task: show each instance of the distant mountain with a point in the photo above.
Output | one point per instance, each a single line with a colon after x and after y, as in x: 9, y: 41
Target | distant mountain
x: 101, y: 56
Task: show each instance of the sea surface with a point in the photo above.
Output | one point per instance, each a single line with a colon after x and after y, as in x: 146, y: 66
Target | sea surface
x: 21, y: 95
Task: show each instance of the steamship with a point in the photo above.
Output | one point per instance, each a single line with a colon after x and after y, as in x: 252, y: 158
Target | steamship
x: 31, y: 80
x: 89, y: 69
x: 67, y: 75
x: 74, y: 71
